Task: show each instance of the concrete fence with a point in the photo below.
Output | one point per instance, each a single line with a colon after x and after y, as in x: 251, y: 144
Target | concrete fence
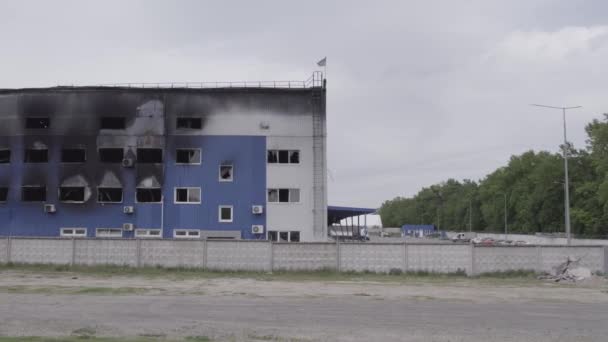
x: 267, y: 256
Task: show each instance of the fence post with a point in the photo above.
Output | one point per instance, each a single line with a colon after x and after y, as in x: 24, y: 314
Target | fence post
x: 8, y: 250
x: 473, y: 271
x: 405, y: 265
x: 539, y: 264
x: 138, y: 252
x: 271, y: 256
x: 73, y: 261
x: 605, y: 260
x: 338, y: 257
x: 205, y: 254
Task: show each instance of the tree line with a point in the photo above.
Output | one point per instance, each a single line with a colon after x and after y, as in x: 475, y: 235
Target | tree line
x: 532, y: 184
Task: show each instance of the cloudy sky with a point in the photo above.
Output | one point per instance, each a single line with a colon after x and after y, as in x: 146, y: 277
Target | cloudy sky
x: 418, y: 91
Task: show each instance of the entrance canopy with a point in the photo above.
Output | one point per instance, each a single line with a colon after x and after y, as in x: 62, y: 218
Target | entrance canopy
x: 336, y: 214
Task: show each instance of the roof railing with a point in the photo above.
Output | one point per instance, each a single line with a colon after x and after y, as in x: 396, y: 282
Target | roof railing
x: 315, y: 80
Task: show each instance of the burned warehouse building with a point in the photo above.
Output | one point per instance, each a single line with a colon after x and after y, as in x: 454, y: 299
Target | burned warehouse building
x: 232, y: 162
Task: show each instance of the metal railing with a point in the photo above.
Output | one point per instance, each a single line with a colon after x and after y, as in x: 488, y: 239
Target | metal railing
x: 315, y: 80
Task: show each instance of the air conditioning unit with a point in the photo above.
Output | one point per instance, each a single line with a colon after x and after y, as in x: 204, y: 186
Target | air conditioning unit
x: 49, y: 208
x: 257, y: 229
x: 128, y: 162
x: 128, y: 227
x: 257, y: 209
x: 128, y: 209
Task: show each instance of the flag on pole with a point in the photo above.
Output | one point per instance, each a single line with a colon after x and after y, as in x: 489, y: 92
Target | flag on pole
x: 322, y: 62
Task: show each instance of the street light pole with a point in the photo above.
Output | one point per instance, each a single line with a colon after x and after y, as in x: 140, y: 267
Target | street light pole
x: 506, y: 232
x: 566, y: 186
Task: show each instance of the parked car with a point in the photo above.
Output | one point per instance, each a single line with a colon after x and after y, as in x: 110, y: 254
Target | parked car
x: 462, y: 237
x: 484, y: 241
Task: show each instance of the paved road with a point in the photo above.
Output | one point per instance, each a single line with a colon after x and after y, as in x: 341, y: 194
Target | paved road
x: 358, y: 318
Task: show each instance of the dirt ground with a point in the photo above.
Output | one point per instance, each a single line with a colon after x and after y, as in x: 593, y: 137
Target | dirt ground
x: 224, y: 308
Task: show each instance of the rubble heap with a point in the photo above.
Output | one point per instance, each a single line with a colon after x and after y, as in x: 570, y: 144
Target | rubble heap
x: 569, y: 271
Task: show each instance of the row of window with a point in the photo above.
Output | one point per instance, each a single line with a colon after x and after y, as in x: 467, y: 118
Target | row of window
x: 277, y: 236
x: 188, y: 156
x: 181, y: 195
x: 114, y: 122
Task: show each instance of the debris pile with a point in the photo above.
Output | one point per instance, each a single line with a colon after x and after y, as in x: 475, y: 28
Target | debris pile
x: 569, y: 271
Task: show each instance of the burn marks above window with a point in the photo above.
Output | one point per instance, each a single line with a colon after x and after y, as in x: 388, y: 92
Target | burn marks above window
x: 111, y: 155
x: 149, y: 155
x: 188, y: 156
x: 33, y: 193
x: 71, y: 194
x: 73, y: 155
x: 148, y: 195
x: 188, y: 123
x: 5, y: 156
x: 37, y: 123
x: 113, y: 122
x: 283, y: 157
x: 34, y: 155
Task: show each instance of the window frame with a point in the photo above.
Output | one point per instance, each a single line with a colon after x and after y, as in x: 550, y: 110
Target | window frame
x: 277, y: 236
x: 277, y: 153
x: 123, y: 118
x: 25, y: 152
x: 138, y: 231
x: 289, y: 201
x: 122, y: 195
x: 9, y: 155
x: 139, y: 149
x: 73, y: 234
x: 73, y: 148
x: 161, y: 196
x: 187, y: 231
x: 7, y: 193
x: 231, y: 173
x: 200, y: 120
x: 48, y: 119
x: 188, y: 188
x: 109, y: 235
x: 200, y: 155
x: 110, y: 148
x: 219, y: 213
x: 84, y: 194
x: 33, y: 186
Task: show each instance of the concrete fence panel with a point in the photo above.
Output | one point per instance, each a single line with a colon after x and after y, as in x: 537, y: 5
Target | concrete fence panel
x: 500, y: 259
x: 590, y: 257
x: 106, y: 252
x: 440, y: 258
x: 41, y: 251
x: 4, y: 250
x: 304, y: 256
x: 238, y: 255
x: 172, y: 253
x: 372, y: 257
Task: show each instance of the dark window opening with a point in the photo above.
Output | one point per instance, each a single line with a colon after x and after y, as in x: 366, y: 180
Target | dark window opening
x: 273, y: 156
x: 37, y: 123
x: 5, y: 156
x: 294, y: 236
x: 273, y: 195
x: 73, y: 155
x: 283, y: 195
x: 149, y: 155
x: 71, y: 194
x: 111, y: 155
x: 36, y: 156
x: 3, y: 194
x: 189, y: 123
x: 272, y: 236
x: 109, y: 195
x: 181, y: 195
x: 113, y: 123
x: 226, y: 173
x: 148, y: 195
x: 225, y: 214
x: 188, y: 156
x: 283, y: 236
x: 294, y: 157
x: 283, y: 157
x: 33, y: 194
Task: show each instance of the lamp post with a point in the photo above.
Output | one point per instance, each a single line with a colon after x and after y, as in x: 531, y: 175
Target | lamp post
x: 566, y: 187
x: 504, y: 194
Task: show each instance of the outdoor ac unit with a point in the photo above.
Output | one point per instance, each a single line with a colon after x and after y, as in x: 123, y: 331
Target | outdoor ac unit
x: 128, y: 209
x: 257, y: 229
x: 127, y: 227
x: 257, y: 209
x: 49, y: 208
x: 128, y: 162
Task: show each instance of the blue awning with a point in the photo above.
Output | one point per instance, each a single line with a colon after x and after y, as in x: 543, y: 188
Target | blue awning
x: 336, y: 214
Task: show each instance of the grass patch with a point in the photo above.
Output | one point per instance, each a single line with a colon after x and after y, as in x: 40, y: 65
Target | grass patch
x: 108, y: 291
x: 94, y: 339
x: 527, y: 274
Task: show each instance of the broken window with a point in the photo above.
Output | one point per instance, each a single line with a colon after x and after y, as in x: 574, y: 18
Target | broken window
x: 284, y: 195
x: 294, y: 236
x: 73, y: 232
x: 111, y: 155
x: 108, y: 232
x: 149, y: 155
x: 225, y: 213
x: 283, y: 156
x: 73, y: 155
x: 272, y: 235
x: 3, y: 194
x: 36, y: 156
x: 71, y: 194
x: 188, y: 156
x: 189, y: 123
x: 283, y: 236
x: 33, y: 193
x: 109, y: 195
x: 148, y: 195
x: 37, y: 123
x: 5, y: 156
x: 187, y: 195
x: 226, y: 173
x: 112, y: 122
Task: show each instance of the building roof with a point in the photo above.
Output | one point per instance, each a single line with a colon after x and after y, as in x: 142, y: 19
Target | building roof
x: 336, y: 214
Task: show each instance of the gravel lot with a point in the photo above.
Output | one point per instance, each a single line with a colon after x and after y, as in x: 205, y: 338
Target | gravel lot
x: 58, y: 304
